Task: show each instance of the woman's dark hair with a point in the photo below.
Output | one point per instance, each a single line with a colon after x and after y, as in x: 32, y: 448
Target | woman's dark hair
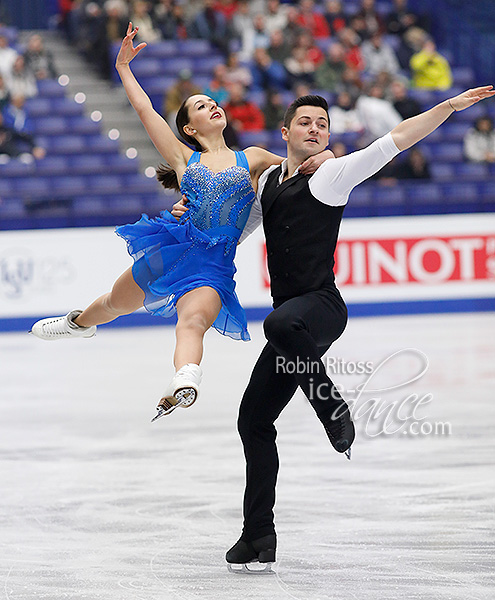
x: 304, y: 101
x: 165, y: 174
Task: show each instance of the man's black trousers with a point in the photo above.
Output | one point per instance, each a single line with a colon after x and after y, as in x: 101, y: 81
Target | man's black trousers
x: 298, y: 329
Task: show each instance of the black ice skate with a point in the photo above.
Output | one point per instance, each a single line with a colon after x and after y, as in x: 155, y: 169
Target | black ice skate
x: 340, y: 430
x: 258, y: 552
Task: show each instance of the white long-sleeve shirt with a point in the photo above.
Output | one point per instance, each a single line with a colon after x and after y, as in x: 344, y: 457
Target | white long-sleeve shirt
x: 335, y: 178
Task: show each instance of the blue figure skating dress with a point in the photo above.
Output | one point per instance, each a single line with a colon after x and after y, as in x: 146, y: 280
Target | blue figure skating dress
x: 174, y: 257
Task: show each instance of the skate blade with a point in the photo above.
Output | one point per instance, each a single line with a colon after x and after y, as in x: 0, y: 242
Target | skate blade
x: 259, y: 569
x: 348, y: 453
x: 184, y: 401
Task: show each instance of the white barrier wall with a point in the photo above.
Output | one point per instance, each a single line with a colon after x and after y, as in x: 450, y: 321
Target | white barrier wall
x: 378, y: 262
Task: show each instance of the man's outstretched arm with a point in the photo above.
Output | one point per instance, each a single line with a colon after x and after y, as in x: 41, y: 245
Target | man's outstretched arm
x: 412, y: 130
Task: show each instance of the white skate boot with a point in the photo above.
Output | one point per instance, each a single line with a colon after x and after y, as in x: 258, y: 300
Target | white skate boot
x: 182, y: 391
x: 58, y: 328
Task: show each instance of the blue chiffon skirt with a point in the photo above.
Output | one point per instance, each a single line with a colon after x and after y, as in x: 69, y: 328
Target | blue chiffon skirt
x: 172, y: 258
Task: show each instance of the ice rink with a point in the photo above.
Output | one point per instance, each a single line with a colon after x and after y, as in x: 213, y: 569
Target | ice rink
x: 98, y: 503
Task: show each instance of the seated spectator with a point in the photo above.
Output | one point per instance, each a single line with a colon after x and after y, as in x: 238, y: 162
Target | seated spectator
x: 479, y: 141
x: 312, y: 20
x: 228, y: 8
x: 411, y: 42
x: 400, y: 19
x: 14, y: 144
x: 276, y: 16
x: 38, y: 59
x: 407, y: 107
x: 237, y: 72
x: 218, y: 87
x: 299, y: 67
x: 176, y: 94
x: 211, y: 25
x: 301, y: 89
x: 170, y: 19
x: 344, y: 117
x: 20, y: 80
x: 4, y: 94
x: 279, y: 48
x: 243, y: 114
x: 350, y: 41
x: 376, y: 114
x: 242, y: 19
x: 414, y: 166
x: 430, y: 70
x: 374, y: 21
x: 328, y: 75
x: 379, y: 56
x: 335, y: 16
x: 256, y: 36
x: 117, y: 19
x: 274, y: 110
x: 141, y: 17
x: 306, y: 41
x: 15, y: 115
x: 293, y: 29
x: 267, y: 73
x: 352, y: 82
x: 7, y: 56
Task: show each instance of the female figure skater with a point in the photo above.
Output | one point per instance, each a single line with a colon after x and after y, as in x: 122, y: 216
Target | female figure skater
x: 187, y: 266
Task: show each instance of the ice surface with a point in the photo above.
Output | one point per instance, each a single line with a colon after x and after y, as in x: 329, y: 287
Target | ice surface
x: 96, y: 502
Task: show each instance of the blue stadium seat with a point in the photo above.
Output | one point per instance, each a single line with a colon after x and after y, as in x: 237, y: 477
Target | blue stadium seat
x: 463, y: 77
x: 206, y: 64
x: 16, y: 168
x: 442, y: 171
x: 174, y: 66
x: 193, y: 47
x: 64, y: 144
x: 38, y: 107
x: 472, y: 172
x: 12, y: 208
x: 6, y: 188
x: 116, y: 163
x: 52, y: 165
x: 79, y: 164
x: 255, y: 138
x: 165, y: 48
x: 103, y: 145
x: 102, y: 184
x: 149, y: 67
x: 89, y: 205
x: 50, y: 126
x: 69, y: 185
x: 50, y: 88
x: 82, y: 125
x: 33, y: 187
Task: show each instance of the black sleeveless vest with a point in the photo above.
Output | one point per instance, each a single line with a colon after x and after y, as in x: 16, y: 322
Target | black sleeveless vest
x: 301, y: 234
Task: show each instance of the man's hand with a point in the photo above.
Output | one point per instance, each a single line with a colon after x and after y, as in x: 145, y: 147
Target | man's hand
x: 179, y: 208
x: 309, y: 166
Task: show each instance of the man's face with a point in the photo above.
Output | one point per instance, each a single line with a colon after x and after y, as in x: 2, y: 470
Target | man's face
x: 308, y: 132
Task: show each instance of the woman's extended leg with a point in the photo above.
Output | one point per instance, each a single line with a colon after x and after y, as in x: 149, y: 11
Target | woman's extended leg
x: 196, y: 312
x: 126, y: 297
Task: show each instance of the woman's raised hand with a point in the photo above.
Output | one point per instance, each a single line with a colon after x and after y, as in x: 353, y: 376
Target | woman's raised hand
x: 470, y: 97
x: 127, y: 51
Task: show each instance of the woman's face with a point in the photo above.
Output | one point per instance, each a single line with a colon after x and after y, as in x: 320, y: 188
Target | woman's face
x: 205, y: 116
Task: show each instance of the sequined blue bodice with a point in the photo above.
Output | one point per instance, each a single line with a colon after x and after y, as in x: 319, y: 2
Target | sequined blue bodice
x: 219, y: 203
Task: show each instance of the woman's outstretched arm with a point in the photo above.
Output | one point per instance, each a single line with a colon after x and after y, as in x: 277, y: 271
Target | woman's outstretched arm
x: 412, y: 130
x: 173, y: 151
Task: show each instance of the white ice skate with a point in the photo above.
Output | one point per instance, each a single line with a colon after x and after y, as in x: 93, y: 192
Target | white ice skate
x: 59, y: 328
x: 182, y: 391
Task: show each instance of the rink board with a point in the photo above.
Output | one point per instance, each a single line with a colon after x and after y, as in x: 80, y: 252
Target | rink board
x: 394, y: 265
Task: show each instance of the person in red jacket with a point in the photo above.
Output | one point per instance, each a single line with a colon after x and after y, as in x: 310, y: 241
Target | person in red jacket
x: 243, y: 114
x: 312, y: 20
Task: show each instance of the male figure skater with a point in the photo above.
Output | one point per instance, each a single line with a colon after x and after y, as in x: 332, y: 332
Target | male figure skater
x: 301, y: 218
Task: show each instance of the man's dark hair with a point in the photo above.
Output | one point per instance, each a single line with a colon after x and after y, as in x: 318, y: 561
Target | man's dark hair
x: 304, y: 101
